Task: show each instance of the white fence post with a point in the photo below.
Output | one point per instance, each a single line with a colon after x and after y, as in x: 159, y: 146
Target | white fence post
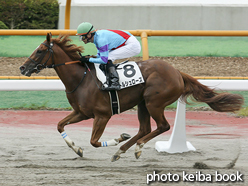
x: 177, y: 142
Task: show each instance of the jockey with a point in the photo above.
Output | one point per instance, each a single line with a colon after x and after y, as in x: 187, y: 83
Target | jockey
x: 111, y: 45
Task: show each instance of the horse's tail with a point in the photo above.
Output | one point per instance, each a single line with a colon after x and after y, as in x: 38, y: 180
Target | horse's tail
x: 221, y: 102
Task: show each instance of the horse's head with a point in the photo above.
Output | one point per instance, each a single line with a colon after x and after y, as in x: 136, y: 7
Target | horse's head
x: 41, y: 58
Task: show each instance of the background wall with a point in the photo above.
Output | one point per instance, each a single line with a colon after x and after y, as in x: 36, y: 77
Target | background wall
x: 158, y: 14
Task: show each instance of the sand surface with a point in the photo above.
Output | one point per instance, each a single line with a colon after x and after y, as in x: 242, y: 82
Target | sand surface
x: 32, y: 152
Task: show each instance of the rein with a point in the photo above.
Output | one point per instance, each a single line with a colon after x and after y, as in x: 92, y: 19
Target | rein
x: 78, y: 84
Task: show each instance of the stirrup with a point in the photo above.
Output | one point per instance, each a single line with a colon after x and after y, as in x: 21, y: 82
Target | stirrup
x: 111, y: 87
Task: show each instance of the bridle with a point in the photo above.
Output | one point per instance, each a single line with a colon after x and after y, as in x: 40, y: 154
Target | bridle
x: 38, y: 66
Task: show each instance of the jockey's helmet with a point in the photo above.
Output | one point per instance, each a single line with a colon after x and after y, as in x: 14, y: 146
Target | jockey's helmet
x: 85, y: 28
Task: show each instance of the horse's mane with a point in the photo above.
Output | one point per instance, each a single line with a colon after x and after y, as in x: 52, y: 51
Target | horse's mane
x: 72, y: 50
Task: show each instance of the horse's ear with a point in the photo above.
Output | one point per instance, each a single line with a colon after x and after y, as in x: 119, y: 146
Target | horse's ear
x: 49, y: 37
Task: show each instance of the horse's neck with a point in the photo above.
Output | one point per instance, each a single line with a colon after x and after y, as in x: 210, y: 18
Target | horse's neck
x: 71, y: 74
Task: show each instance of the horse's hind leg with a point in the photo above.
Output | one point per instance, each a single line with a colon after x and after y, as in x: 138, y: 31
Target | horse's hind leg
x: 145, y: 128
x: 162, y: 126
x: 73, y: 117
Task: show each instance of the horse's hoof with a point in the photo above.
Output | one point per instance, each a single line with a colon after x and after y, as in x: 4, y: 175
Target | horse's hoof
x: 80, y: 152
x: 125, y: 136
x: 117, y: 155
x: 115, y: 158
x: 138, y: 150
x: 137, y: 154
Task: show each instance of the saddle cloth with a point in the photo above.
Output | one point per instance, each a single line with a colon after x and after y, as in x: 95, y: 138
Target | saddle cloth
x: 129, y: 74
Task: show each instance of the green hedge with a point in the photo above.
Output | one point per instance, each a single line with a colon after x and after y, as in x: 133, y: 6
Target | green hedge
x: 29, y: 14
x: 2, y: 25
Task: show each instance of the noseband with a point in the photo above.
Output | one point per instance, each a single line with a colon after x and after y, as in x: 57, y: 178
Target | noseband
x: 40, y: 66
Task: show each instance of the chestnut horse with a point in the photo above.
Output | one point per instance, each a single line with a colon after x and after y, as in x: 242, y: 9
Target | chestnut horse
x: 163, y: 86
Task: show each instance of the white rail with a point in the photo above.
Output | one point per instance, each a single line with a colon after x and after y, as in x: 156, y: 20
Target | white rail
x: 26, y: 85
x: 44, y: 85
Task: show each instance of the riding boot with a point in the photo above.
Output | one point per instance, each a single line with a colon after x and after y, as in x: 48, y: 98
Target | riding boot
x: 113, y: 77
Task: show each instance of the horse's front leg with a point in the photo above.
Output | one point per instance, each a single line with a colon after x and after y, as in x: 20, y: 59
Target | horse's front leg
x: 98, y: 129
x: 73, y: 117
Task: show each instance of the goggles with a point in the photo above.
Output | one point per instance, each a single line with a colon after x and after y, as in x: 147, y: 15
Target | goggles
x: 82, y: 37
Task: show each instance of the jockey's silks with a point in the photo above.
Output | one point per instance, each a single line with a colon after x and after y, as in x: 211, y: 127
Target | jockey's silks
x: 106, y: 40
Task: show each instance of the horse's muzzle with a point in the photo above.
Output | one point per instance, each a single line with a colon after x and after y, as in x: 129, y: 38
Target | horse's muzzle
x: 25, y: 71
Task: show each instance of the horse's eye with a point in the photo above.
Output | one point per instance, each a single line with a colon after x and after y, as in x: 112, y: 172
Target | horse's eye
x: 39, y: 51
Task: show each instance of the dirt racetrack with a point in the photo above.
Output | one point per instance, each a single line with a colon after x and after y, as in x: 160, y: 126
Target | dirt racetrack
x: 33, y: 153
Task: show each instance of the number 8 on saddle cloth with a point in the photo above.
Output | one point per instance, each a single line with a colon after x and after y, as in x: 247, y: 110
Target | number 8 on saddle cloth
x: 129, y: 74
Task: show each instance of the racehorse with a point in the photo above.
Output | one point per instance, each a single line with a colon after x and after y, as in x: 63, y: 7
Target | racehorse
x: 163, y: 85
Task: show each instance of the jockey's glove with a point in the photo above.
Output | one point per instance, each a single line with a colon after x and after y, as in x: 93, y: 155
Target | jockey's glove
x: 84, y: 59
